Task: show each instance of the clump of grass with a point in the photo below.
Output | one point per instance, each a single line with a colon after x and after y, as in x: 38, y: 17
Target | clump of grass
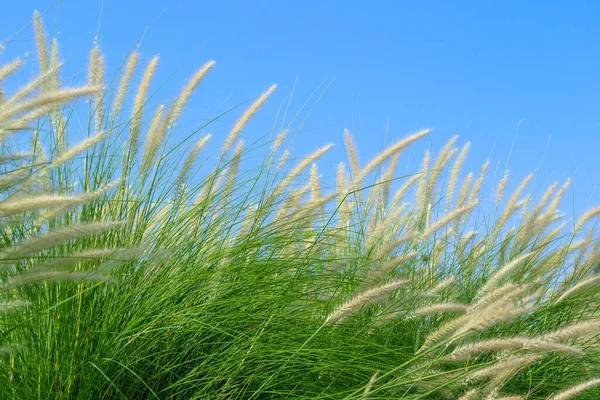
x: 128, y: 275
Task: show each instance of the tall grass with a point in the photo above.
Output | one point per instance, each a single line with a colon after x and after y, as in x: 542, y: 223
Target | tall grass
x: 127, y: 275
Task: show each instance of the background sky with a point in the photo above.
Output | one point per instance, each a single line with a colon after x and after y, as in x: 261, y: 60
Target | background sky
x: 503, y: 75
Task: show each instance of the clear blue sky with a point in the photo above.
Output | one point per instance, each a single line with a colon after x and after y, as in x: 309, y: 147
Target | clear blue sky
x: 474, y: 68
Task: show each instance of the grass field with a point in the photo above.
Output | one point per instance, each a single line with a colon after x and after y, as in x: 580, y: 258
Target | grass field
x: 126, y: 274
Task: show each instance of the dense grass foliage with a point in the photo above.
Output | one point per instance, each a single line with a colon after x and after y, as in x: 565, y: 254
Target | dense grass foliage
x: 127, y: 275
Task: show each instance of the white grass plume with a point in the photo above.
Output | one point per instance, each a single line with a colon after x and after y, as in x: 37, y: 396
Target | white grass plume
x: 132, y: 61
x: 573, y: 391
x: 248, y: 114
x: 187, y: 91
x: 472, y: 350
x: 367, y: 297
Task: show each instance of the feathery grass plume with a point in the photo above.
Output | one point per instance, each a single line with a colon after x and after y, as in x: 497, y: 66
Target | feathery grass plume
x: 400, y: 193
x: 20, y: 205
x: 443, y: 331
x: 248, y: 114
x: 421, y: 199
x: 506, y: 367
x: 315, y: 187
x: 187, y: 91
x: 511, y: 207
x: 464, y: 189
x: 56, y: 268
x: 467, y: 237
x: 9, y: 69
x: 592, y: 259
x: 54, y: 238
x: 74, y: 150
x: 585, y: 284
x: 77, y: 200
x: 390, y: 265
x: 96, y: 78
x: 352, y: 154
x: 441, y: 286
x: 210, y: 186
x: 573, y: 391
x: 50, y: 99
x: 454, y: 172
x: 138, y: 105
x: 471, y: 350
x: 293, y: 174
x: 248, y: 220
x: 50, y: 275
x: 54, y: 83
x: 341, y: 188
x: 501, y: 188
x: 446, y: 219
x: 371, y: 382
x: 386, y: 154
x: 383, y: 227
x: 367, y: 297
x: 537, y: 223
x: 479, y: 182
x: 40, y: 41
x: 191, y: 158
x: 573, y: 331
x: 292, y: 201
x: 117, y: 106
x: 283, y: 159
x: 235, y: 166
x: 30, y: 87
x: 439, y: 165
x: 279, y: 139
x: 480, y: 321
x: 385, y: 250
x: 305, y: 213
x: 386, y: 180
x: 588, y: 215
x: 557, y: 199
x: 499, y: 294
x: 11, y: 306
x: 472, y: 394
x: 20, y: 123
x: 440, y: 308
x: 153, y: 139
x: 500, y: 273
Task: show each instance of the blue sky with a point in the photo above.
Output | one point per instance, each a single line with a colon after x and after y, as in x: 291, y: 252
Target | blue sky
x: 482, y: 70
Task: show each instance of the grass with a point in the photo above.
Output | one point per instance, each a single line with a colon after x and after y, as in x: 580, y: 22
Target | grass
x: 127, y: 275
